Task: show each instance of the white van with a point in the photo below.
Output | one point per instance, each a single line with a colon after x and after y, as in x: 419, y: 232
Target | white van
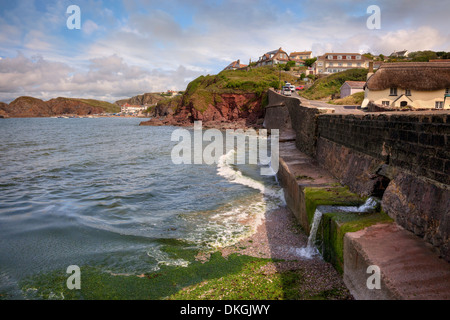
x: 287, y: 91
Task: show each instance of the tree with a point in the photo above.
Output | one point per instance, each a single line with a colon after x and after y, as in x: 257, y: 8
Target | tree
x: 423, y: 56
x: 309, y: 62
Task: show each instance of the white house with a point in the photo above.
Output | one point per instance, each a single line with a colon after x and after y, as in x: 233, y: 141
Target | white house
x: 337, y: 62
x: 351, y: 87
x: 417, y: 85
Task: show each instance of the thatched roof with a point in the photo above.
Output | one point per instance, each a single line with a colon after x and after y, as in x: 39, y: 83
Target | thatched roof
x: 422, y: 76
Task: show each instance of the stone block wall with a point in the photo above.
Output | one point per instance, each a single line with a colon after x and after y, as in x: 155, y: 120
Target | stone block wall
x: 416, y: 142
x: 404, y: 158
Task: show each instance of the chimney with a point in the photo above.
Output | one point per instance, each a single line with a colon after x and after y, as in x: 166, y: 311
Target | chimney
x: 370, y: 73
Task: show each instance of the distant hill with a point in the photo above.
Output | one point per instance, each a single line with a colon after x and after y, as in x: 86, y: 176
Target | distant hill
x: 106, y: 106
x: 143, y: 99
x: 29, y: 107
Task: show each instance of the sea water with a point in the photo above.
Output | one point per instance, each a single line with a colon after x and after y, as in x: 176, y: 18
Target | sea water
x: 104, y: 192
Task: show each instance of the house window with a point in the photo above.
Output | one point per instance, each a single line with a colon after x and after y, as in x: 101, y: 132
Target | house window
x: 349, y: 57
x: 349, y: 64
x: 358, y: 57
x: 340, y: 64
x: 393, y: 92
x: 339, y: 57
x: 330, y: 57
x: 439, y: 104
x: 385, y: 103
x: 330, y: 64
x: 320, y: 64
x: 407, y: 92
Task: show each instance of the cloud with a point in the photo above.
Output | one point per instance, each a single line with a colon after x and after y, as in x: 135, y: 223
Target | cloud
x: 89, y: 27
x: 136, y: 46
x: 107, y: 78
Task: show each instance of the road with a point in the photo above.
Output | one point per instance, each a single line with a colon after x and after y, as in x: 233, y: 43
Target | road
x: 322, y: 104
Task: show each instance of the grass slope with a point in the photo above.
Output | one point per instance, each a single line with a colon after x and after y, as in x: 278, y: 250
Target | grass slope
x: 203, y: 90
x: 106, y: 106
x: 327, y: 86
x: 354, y: 99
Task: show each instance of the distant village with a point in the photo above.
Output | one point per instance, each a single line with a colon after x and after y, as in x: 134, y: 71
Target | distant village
x: 140, y: 110
x: 402, y: 80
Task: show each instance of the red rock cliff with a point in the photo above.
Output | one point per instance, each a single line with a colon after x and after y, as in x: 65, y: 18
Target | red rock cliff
x: 29, y: 107
x: 225, y: 110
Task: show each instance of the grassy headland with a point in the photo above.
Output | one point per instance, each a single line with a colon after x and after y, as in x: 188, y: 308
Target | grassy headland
x: 257, y: 80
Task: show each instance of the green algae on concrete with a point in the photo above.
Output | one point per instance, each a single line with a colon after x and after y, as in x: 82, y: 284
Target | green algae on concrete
x: 329, y: 196
x: 334, y: 226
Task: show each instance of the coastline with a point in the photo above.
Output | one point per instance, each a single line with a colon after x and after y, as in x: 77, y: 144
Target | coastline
x: 276, y: 239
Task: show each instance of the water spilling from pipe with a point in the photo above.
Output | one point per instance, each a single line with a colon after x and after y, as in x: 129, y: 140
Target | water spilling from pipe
x: 310, y: 250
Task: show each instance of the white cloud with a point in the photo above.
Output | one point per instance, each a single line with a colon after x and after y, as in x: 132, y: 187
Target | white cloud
x: 89, y: 27
x: 124, y: 53
x: 107, y: 78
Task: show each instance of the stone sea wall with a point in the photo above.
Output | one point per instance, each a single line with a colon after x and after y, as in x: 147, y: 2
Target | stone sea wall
x: 403, y: 158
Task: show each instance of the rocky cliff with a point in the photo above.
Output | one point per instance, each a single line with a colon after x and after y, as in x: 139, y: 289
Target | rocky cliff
x: 224, y: 110
x: 230, y: 99
x: 29, y: 107
x: 71, y: 106
x: 143, y: 99
x: 24, y: 107
x: 3, y: 108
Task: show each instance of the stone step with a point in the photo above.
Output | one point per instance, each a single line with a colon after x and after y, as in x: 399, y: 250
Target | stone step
x: 409, y: 267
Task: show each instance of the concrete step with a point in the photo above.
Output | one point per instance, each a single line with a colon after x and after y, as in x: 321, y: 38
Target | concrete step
x: 409, y: 267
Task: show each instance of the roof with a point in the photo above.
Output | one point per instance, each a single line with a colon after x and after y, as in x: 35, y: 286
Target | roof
x: 236, y: 64
x: 325, y: 56
x: 422, y: 76
x: 355, y: 84
x: 400, y: 53
x: 300, y: 53
x: 276, y: 51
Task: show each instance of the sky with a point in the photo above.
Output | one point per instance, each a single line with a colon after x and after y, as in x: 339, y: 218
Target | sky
x: 129, y: 47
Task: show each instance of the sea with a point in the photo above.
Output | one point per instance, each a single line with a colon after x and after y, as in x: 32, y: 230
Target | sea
x: 105, y: 193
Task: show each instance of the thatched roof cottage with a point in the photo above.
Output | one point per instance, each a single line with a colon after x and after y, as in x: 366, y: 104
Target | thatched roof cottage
x: 419, y: 85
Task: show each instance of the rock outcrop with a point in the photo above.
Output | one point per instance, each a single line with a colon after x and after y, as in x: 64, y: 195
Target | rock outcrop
x: 143, y: 99
x: 24, y: 107
x: 72, y: 106
x: 3, y: 110
x: 29, y: 107
x: 224, y: 111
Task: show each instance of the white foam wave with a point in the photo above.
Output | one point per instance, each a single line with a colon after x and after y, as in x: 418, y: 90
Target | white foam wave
x: 233, y: 175
x: 227, y: 227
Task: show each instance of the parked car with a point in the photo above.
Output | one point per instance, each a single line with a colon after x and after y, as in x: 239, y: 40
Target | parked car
x: 287, y: 91
x: 292, y: 87
x: 302, y: 87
